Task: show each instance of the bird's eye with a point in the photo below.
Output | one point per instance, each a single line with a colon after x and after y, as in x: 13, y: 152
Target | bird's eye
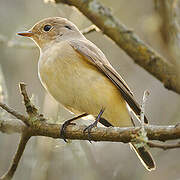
x: 68, y: 27
x: 47, y: 27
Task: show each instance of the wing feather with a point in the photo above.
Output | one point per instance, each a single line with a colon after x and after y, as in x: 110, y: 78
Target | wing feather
x: 96, y: 57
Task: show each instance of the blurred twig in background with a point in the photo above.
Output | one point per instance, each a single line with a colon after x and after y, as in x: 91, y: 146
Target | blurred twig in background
x: 13, y: 43
x: 170, y: 26
x: 164, y: 146
x: 169, y: 11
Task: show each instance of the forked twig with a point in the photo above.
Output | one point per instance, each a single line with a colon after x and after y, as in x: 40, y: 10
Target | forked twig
x: 26, y: 134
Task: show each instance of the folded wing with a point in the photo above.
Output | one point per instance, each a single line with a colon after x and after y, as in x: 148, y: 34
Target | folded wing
x: 96, y: 57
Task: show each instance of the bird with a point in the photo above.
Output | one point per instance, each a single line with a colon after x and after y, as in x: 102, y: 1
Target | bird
x: 80, y: 77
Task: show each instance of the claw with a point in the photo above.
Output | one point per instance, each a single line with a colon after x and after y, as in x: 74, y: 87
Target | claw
x: 67, y: 123
x: 63, y: 129
x: 94, y: 124
x: 88, y: 129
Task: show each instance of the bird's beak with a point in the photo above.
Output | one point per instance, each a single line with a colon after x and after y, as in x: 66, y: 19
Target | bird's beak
x: 26, y: 33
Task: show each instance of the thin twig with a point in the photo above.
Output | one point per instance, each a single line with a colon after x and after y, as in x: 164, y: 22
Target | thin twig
x: 163, y: 146
x: 13, y: 112
x: 90, y: 29
x: 22, y: 144
x: 142, y: 114
x: 9, y: 126
x: 30, y: 108
x: 142, y: 134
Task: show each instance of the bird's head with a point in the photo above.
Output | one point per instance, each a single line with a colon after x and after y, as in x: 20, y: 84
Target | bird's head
x: 51, y: 29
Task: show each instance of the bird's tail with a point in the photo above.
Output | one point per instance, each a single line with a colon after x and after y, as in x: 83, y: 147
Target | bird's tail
x: 144, y: 156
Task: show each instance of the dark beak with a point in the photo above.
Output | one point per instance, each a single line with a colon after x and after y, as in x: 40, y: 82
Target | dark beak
x: 26, y: 33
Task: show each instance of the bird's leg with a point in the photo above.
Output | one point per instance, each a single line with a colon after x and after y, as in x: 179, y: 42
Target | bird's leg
x: 67, y: 123
x: 94, y: 124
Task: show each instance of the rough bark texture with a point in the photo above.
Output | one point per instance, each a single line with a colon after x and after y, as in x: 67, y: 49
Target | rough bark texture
x: 114, y: 134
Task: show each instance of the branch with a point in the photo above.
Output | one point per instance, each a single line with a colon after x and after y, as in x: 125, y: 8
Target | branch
x: 36, y: 125
x: 30, y: 108
x: 170, y: 27
x: 126, y: 39
x: 114, y: 134
x: 41, y: 127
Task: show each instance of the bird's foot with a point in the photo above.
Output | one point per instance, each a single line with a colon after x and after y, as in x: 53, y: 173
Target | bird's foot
x: 94, y: 124
x: 63, y: 129
x: 67, y: 123
x: 88, y: 129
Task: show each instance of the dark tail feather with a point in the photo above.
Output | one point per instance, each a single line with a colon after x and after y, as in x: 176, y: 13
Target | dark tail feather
x: 145, y: 157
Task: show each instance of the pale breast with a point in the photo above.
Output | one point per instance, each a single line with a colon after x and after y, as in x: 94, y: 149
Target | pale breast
x: 78, y: 85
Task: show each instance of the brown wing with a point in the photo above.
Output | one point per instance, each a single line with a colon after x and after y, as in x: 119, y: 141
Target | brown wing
x: 96, y: 57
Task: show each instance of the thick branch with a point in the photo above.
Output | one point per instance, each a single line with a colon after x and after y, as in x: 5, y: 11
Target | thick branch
x: 140, y: 52
x: 125, y: 135
x: 40, y: 127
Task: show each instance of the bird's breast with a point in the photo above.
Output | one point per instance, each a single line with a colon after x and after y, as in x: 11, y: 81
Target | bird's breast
x: 77, y: 84
x: 67, y: 77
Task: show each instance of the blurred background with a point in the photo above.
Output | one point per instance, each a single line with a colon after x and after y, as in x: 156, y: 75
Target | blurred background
x: 47, y: 158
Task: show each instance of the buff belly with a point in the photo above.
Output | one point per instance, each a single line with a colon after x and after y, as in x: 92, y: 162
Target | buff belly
x: 80, y: 87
